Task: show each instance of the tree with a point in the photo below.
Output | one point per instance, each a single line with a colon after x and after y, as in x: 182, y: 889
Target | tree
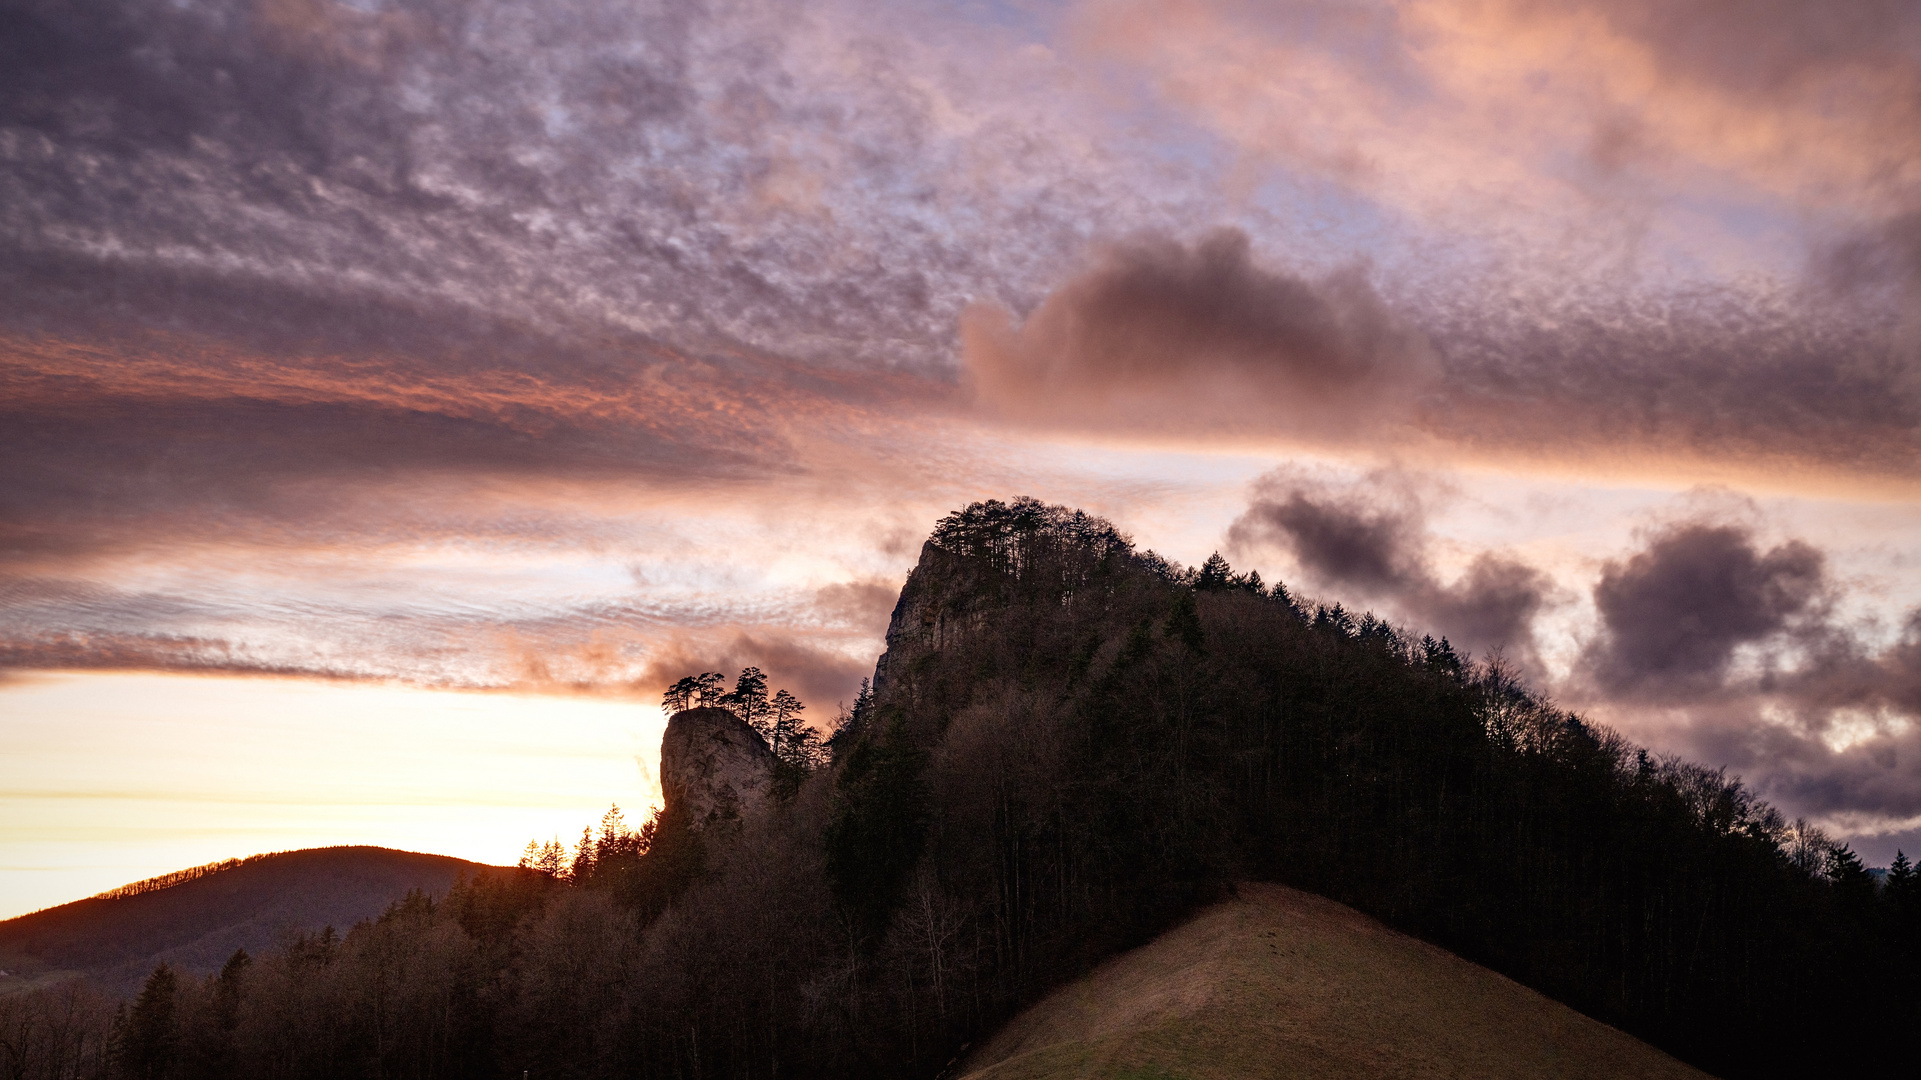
x: 1849, y: 876
x: 616, y: 840
x: 850, y: 720
x: 208, y: 1039
x: 1184, y: 623
x: 548, y: 858
x: 1904, y: 883
x: 681, y: 696
x: 150, y: 1034
x: 709, y: 689
x: 1215, y: 574
x: 749, y: 700
x: 787, y: 730
x: 582, y: 868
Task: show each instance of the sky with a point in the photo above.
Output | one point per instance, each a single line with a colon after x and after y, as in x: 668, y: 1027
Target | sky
x: 393, y: 391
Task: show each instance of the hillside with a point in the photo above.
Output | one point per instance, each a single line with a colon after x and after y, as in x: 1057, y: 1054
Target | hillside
x: 197, y: 924
x: 1282, y: 983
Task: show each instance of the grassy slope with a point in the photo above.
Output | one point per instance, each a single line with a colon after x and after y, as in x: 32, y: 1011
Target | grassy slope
x: 196, y: 925
x: 1281, y: 983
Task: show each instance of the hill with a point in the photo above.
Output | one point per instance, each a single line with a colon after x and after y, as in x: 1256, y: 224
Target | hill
x: 1282, y: 983
x: 115, y: 940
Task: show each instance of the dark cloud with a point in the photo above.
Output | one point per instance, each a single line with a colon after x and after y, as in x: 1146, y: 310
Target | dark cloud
x: 1158, y: 329
x: 1370, y: 542
x: 1727, y: 649
x: 1353, y: 542
x: 1673, y: 614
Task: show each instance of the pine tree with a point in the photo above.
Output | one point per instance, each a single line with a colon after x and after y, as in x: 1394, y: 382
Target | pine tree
x: 709, y: 689
x: 548, y: 858
x: 681, y: 695
x: 749, y: 701
x: 581, y: 871
x: 616, y: 839
x: 1904, y: 884
x: 786, y: 727
x: 148, y: 1040
x: 1184, y: 622
x: 1215, y: 574
x: 1850, y: 878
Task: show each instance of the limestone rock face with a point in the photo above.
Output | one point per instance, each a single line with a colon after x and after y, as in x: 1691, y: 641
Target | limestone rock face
x: 937, y: 604
x: 714, y: 766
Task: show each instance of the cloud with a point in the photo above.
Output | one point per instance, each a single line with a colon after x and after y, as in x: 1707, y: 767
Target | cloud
x: 1353, y: 540
x: 1673, y: 614
x: 1717, y: 645
x: 1371, y: 542
x: 1157, y: 332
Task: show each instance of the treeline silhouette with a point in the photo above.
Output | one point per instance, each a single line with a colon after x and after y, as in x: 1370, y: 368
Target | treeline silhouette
x: 177, y: 877
x: 1069, y: 745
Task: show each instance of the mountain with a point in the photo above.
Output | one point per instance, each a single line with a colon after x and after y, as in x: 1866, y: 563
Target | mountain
x: 1072, y: 749
x: 1280, y: 983
x: 196, y: 924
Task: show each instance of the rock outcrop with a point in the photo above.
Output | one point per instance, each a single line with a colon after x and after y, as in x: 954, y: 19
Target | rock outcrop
x: 939, y: 601
x: 713, y: 766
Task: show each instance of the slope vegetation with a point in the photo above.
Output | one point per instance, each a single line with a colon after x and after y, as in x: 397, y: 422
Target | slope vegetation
x: 197, y: 924
x: 1282, y: 983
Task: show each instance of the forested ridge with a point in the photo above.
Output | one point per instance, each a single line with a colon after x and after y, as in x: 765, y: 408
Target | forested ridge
x: 1069, y: 745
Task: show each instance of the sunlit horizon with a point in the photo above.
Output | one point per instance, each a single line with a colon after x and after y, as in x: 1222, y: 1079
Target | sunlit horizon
x: 114, y: 777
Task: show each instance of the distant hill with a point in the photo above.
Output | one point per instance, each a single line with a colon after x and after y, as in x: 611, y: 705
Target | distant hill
x: 1282, y: 983
x: 196, y: 919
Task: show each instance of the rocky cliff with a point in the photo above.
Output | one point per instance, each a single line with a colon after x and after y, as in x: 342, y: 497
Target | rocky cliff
x: 714, y: 766
x: 939, y: 601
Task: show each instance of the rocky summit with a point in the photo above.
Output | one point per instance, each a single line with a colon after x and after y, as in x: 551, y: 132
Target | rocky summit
x: 714, y: 766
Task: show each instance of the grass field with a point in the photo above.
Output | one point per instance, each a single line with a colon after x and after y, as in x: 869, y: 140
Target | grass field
x: 1280, y: 983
